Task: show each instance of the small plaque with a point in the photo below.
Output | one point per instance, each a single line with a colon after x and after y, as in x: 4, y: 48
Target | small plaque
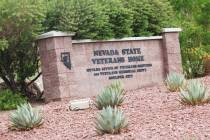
x: 65, y: 58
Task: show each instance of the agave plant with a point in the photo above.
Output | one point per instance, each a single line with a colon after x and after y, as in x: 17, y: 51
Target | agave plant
x: 110, y: 120
x: 117, y: 86
x: 112, y: 95
x: 194, y: 94
x: 175, y: 81
x: 25, y: 118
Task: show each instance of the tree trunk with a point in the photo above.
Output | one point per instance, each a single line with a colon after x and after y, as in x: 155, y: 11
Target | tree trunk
x: 26, y: 89
x: 10, y: 84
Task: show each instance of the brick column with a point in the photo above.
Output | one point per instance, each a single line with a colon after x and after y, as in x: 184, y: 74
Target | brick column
x: 171, y: 46
x: 54, y: 48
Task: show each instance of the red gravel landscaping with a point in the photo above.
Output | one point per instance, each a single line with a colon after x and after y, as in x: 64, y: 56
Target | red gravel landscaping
x: 153, y: 113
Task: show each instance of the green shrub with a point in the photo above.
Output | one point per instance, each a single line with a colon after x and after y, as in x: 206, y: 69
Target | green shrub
x: 193, y: 50
x: 105, y: 19
x: 86, y: 18
x: 194, y: 68
x: 194, y: 94
x: 150, y: 16
x: 112, y: 95
x: 193, y: 64
x: 25, y: 118
x: 175, y: 81
x: 10, y: 100
x: 20, y: 23
x: 120, y: 18
x: 110, y: 120
x: 192, y: 16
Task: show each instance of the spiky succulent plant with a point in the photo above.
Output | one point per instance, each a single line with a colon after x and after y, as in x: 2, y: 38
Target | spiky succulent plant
x: 112, y: 95
x: 175, y: 81
x: 110, y: 120
x: 117, y: 86
x: 194, y: 94
x: 25, y: 118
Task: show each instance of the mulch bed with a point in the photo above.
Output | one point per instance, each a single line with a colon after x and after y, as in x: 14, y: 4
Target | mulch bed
x: 153, y: 113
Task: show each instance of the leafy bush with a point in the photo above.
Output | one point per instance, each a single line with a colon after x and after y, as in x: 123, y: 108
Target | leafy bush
x: 174, y: 81
x: 150, y: 16
x: 192, y: 17
x: 194, y: 94
x: 25, y: 118
x: 112, y: 95
x: 10, y: 100
x: 193, y: 52
x: 20, y: 22
x: 85, y: 18
x: 120, y: 18
x: 194, y: 62
x: 195, y: 68
x: 110, y: 121
x: 104, y: 19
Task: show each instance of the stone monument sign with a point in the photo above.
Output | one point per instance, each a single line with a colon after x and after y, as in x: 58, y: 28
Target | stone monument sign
x: 83, y: 68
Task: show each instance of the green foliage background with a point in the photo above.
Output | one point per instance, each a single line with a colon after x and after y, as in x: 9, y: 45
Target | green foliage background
x: 9, y: 101
x: 194, y: 18
x: 104, y: 19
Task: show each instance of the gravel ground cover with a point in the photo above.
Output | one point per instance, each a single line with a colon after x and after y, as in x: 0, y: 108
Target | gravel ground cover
x: 153, y: 114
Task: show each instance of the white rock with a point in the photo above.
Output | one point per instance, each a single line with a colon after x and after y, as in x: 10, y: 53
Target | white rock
x: 80, y: 104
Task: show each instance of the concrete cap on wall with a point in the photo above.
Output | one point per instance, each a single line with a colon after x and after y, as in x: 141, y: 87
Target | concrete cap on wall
x: 118, y: 40
x: 171, y: 30
x: 54, y: 34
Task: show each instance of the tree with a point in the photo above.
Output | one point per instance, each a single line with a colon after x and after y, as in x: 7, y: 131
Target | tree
x: 85, y: 18
x: 92, y: 19
x: 204, y: 19
x: 20, y: 22
x: 193, y: 17
x: 120, y: 18
x: 150, y: 16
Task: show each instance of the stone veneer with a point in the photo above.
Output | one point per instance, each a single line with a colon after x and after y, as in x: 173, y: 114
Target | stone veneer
x: 152, y: 58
